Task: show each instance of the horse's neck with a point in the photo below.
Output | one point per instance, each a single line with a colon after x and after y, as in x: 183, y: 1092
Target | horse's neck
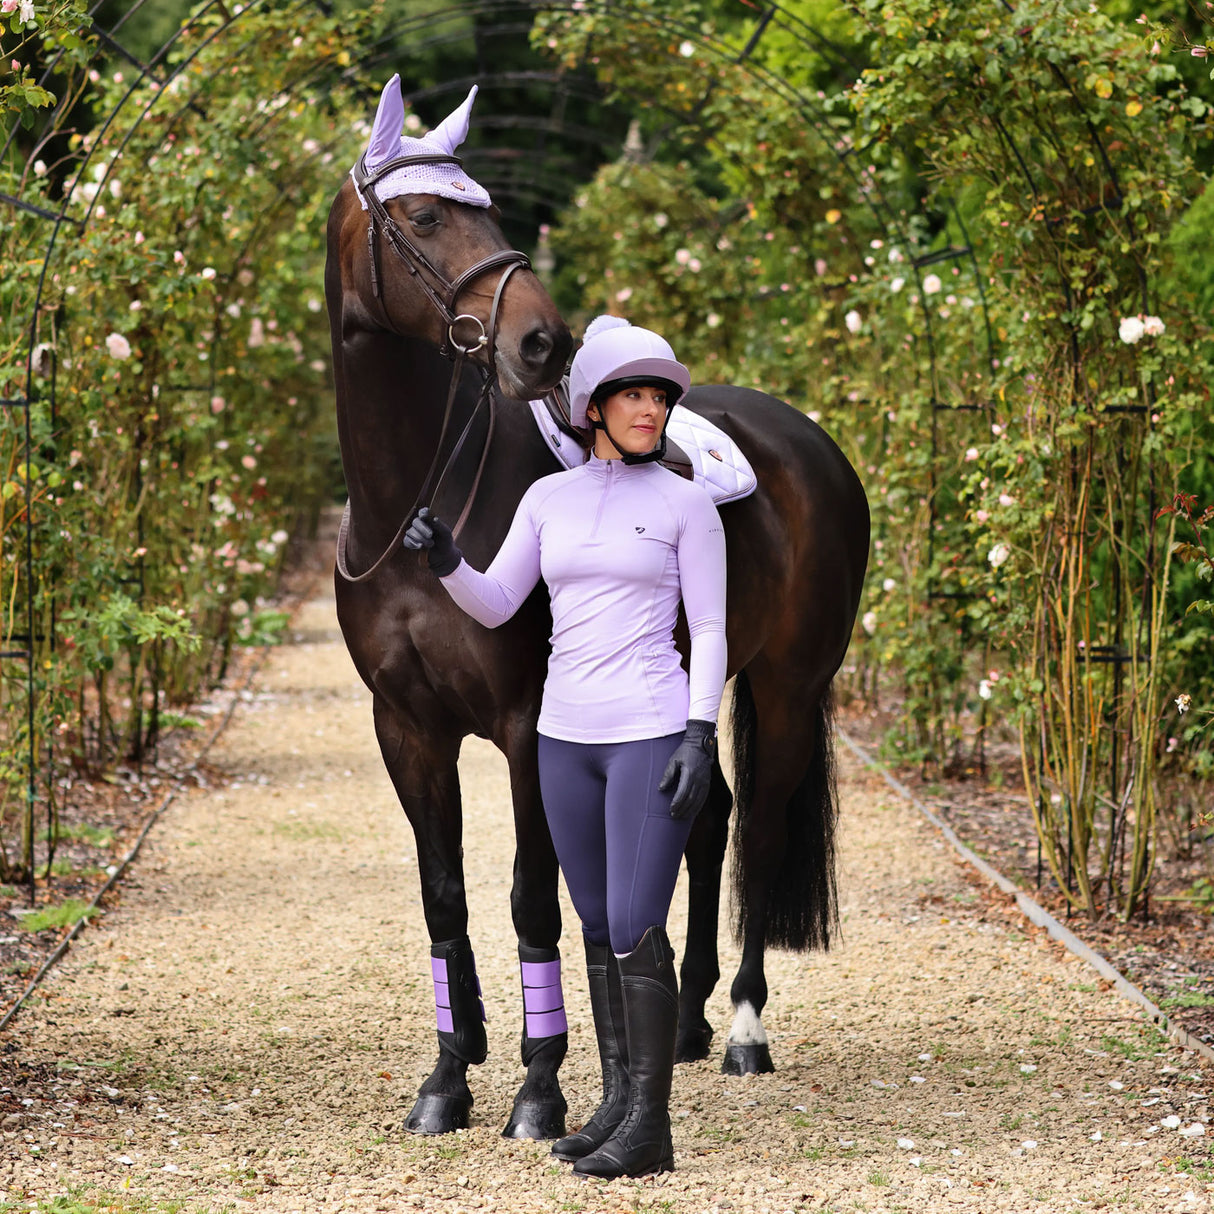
x: 391, y: 392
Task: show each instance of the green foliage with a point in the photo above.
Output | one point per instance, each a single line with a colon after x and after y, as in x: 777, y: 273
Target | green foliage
x: 84, y: 832
x: 172, y: 345
x: 89, y: 1199
x: 65, y: 914
x: 57, y: 26
x: 980, y: 306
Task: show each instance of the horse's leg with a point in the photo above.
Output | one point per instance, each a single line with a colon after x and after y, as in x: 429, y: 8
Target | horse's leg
x: 786, y: 823
x: 539, y: 1108
x: 700, y: 969
x: 423, y: 771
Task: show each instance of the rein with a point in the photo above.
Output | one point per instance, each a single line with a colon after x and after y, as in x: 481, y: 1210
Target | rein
x: 443, y: 294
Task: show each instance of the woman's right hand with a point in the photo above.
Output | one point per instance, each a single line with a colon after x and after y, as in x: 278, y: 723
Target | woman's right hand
x: 430, y: 532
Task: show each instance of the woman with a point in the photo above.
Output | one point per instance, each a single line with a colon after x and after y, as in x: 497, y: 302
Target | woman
x: 626, y: 737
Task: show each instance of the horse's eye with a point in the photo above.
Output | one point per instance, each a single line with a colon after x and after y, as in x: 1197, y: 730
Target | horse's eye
x: 423, y: 221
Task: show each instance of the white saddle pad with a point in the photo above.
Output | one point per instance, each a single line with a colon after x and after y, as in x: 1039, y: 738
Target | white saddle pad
x: 717, y: 463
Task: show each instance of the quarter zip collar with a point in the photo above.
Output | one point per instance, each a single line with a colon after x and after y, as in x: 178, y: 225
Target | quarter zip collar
x: 606, y: 474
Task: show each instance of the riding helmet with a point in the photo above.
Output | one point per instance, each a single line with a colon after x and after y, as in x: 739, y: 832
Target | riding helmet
x: 617, y: 355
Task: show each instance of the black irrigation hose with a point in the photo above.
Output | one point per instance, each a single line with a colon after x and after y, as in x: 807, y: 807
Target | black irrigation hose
x: 153, y: 818
x: 1035, y: 913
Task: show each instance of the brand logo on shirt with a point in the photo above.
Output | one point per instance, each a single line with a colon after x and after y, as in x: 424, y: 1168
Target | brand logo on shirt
x: 639, y: 530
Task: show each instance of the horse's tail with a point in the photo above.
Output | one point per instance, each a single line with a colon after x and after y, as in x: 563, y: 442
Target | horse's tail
x: 802, y: 903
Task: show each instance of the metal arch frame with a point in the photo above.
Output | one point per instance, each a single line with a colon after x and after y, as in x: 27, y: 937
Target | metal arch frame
x: 1116, y: 654
x: 569, y: 86
x: 770, y: 16
x: 58, y: 220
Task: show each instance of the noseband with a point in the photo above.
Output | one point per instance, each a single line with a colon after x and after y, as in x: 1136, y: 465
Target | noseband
x: 443, y: 293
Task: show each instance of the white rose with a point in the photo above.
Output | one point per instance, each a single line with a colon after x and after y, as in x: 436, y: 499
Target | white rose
x: 998, y: 554
x: 1153, y: 326
x: 1131, y: 330
x: 931, y: 285
x: 869, y: 622
x: 118, y: 346
x: 853, y: 321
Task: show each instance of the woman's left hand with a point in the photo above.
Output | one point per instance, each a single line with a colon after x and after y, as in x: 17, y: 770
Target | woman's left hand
x: 689, y: 771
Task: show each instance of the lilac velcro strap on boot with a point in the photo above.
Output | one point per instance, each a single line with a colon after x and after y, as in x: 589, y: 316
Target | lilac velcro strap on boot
x: 458, y: 1003
x: 543, y: 1001
x: 442, y: 994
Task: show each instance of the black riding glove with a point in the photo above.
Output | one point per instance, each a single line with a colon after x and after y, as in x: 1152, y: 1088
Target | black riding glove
x: 690, y: 769
x: 427, y: 531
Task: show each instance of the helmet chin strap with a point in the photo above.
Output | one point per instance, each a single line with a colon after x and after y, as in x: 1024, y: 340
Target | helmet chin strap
x: 649, y: 457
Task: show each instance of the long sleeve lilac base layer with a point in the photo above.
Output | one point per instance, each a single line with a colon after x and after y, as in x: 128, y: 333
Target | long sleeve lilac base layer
x: 618, y: 546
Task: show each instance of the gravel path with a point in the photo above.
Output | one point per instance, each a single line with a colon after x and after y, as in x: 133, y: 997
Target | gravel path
x: 246, y: 1029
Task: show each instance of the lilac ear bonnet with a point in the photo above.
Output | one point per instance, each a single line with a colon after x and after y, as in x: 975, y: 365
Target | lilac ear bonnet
x: 387, y: 142
x: 614, y: 350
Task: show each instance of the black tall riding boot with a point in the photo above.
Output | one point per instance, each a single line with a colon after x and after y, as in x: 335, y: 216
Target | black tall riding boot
x: 641, y: 1143
x: 607, y: 1006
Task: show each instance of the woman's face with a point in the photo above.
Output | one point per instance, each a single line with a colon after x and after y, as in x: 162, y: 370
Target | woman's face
x: 635, y: 417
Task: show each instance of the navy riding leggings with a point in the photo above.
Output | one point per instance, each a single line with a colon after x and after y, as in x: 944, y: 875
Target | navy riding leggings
x: 617, y: 844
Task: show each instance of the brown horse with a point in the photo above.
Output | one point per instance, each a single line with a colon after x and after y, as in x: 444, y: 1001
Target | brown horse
x: 797, y: 554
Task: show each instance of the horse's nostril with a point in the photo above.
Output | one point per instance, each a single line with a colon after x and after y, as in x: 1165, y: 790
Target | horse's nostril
x: 536, y: 347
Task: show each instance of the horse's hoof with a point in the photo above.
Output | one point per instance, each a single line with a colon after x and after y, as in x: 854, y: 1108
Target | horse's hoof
x: 536, y: 1119
x: 693, y: 1045
x: 747, y: 1060
x: 436, y: 1114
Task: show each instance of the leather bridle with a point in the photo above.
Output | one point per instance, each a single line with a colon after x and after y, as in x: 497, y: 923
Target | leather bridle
x: 444, y: 294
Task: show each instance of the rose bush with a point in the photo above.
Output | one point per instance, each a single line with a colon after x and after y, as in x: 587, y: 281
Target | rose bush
x: 968, y: 237
x: 170, y: 340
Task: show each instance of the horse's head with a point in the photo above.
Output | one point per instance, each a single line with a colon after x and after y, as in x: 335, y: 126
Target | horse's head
x: 415, y: 248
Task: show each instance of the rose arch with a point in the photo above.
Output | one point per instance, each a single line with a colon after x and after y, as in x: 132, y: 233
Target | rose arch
x: 947, y: 247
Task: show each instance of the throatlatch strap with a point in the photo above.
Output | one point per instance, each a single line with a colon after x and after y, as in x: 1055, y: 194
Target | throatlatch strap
x: 457, y: 1000
x: 543, y: 1000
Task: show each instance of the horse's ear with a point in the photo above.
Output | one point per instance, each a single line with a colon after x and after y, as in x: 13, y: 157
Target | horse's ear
x: 384, y: 143
x: 453, y: 129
